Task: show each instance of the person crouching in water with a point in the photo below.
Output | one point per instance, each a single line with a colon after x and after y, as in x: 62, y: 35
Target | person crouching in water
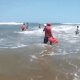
x: 24, y: 27
x: 48, y: 32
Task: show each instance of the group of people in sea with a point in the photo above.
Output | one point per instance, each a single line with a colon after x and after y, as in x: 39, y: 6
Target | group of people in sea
x: 24, y: 26
x: 47, y: 30
x: 48, y: 37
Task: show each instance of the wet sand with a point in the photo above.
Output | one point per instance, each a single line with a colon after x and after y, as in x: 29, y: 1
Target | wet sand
x: 35, y: 64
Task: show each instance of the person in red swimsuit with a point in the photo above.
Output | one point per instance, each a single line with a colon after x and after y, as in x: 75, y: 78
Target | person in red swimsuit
x: 48, y: 32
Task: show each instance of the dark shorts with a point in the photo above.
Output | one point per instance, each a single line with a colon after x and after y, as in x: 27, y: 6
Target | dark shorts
x: 23, y: 29
x: 77, y: 32
x: 45, y: 40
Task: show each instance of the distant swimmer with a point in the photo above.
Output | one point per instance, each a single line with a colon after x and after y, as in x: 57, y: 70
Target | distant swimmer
x: 23, y: 27
x: 77, y: 30
x: 27, y: 25
x: 39, y: 25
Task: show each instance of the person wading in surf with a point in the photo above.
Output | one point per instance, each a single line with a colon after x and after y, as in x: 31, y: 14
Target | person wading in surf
x: 77, y: 30
x: 48, y: 32
x: 24, y: 27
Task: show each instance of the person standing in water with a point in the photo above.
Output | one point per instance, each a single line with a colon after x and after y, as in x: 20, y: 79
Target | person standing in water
x: 27, y: 25
x: 24, y: 27
x: 77, y: 30
x: 39, y: 25
x: 48, y: 32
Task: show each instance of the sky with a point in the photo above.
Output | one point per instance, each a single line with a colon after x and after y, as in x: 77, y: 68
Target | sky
x: 56, y: 11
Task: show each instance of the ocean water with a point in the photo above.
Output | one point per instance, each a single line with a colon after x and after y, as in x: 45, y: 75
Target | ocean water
x: 23, y: 56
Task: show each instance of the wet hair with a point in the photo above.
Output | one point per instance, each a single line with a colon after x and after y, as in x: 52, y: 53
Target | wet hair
x: 77, y: 26
x: 48, y: 24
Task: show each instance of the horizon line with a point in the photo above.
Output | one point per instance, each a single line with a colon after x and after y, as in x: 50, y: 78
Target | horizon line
x: 16, y: 23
